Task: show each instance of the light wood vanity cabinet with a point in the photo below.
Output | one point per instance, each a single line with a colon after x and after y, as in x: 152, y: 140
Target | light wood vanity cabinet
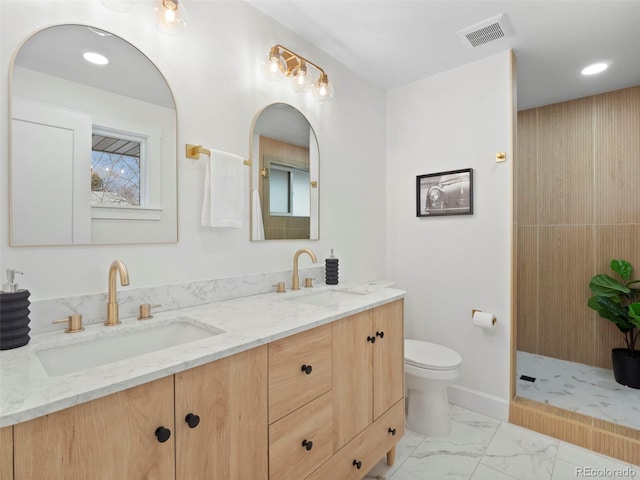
x: 300, y: 403
x: 353, y: 411
x: 368, y: 363
x: 117, y: 437
x: 6, y: 453
x: 221, y: 418
x: 324, y: 403
x: 110, y: 437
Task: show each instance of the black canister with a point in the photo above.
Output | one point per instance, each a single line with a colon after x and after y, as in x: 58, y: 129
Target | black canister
x: 331, y: 270
x: 14, y: 319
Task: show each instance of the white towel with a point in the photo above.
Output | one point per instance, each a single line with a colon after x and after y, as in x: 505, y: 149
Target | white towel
x: 223, y: 202
x: 257, y: 229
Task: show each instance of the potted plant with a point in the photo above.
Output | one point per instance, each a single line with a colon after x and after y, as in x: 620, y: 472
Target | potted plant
x: 618, y: 302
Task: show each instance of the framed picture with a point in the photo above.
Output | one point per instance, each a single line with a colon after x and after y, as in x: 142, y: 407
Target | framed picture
x: 445, y: 193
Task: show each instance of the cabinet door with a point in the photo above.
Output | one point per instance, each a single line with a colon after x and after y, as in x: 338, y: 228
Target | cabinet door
x: 109, y: 438
x: 388, y: 357
x: 6, y: 453
x: 230, y: 398
x: 352, y: 377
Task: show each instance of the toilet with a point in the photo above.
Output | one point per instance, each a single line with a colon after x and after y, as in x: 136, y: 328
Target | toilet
x: 429, y: 368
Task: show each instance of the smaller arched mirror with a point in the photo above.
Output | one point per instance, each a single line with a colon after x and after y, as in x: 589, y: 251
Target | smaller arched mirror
x: 93, y: 142
x: 284, y: 178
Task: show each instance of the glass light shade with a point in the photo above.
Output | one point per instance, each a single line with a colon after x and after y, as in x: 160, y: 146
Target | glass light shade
x: 323, y: 90
x: 123, y: 6
x: 301, y: 81
x: 170, y: 16
x: 271, y: 69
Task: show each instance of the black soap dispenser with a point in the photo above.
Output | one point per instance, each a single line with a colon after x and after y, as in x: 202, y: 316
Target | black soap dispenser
x: 331, y: 270
x: 14, y: 314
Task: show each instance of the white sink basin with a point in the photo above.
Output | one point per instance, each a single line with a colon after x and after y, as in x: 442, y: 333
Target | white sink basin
x: 328, y: 298
x: 121, y: 345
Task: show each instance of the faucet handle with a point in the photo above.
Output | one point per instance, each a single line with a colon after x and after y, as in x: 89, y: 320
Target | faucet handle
x: 308, y: 282
x: 74, y: 323
x: 145, y: 311
x: 280, y: 287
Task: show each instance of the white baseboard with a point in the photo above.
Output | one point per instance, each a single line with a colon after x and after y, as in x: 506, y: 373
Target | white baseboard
x: 480, y: 402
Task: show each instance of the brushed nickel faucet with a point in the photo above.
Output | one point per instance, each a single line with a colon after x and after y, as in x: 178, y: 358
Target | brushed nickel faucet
x: 117, y: 266
x: 295, y: 283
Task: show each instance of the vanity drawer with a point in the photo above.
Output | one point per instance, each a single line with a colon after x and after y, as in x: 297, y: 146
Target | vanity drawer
x: 299, y: 370
x: 302, y: 441
x: 366, y: 449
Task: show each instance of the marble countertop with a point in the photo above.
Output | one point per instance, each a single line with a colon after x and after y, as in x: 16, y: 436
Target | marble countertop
x: 27, y: 391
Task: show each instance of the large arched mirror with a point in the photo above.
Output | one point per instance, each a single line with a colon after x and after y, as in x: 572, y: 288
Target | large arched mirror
x: 93, y: 142
x: 284, y: 175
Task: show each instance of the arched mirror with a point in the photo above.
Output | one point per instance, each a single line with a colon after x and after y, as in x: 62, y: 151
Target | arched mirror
x: 284, y: 175
x: 93, y: 142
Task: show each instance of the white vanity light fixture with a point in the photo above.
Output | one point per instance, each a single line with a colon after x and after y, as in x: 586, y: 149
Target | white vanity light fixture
x: 283, y: 62
x: 170, y: 16
x: 594, y: 68
x: 95, y: 58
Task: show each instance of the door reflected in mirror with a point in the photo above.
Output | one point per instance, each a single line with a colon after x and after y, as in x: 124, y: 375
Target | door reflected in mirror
x: 93, y: 145
x: 284, y: 175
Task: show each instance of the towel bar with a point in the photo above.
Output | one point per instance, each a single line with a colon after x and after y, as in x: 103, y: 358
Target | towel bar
x: 194, y: 152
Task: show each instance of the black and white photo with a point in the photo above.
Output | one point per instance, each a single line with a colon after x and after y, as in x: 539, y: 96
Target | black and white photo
x: 445, y: 193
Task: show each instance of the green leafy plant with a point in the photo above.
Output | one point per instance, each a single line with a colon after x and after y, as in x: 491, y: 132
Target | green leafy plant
x: 617, y: 301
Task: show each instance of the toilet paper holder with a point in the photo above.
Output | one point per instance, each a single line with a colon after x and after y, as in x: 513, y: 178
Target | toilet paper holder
x: 474, y: 310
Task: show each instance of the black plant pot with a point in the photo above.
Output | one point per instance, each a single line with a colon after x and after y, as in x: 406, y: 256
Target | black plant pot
x: 626, y: 369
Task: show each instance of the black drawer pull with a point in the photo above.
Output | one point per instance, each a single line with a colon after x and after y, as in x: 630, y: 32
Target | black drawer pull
x: 306, y: 369
x: 357, y: 464
x: 380, y: 334
x: 162, y: 434
x: 371, y: 339
x: 308, y: 444
x: 192, y: 420
x: 392, y: 431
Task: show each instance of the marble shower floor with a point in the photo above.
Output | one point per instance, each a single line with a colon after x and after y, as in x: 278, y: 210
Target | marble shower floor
x: 483, y: 448
x: 579, y: 388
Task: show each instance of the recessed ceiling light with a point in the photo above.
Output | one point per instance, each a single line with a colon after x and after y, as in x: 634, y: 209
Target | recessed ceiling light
x: 595, y: 68
x: 96, y: 58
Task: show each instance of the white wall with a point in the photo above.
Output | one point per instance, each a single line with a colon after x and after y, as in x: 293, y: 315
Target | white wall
x: 451, y: 265
x: 213, y: 70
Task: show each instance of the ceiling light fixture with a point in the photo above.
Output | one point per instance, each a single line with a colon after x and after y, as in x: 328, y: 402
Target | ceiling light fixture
x: 282, y: 62
x: 171, y: 16
x: 594, y: 68
x: 95, y: 58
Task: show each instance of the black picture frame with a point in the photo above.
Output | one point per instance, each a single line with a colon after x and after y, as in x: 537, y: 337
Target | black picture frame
x: 445, y: 193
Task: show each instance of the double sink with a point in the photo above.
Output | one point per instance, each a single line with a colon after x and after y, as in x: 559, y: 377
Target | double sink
x: 127, y: 342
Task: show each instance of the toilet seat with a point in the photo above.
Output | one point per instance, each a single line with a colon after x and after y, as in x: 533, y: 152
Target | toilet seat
x: 430, y: 356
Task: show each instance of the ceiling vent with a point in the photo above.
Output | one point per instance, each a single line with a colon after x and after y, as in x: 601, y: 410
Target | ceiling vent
x: 486, y: 31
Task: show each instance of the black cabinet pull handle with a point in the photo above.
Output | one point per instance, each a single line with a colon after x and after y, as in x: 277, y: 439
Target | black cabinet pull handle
x: 162, y: 434
x: 308, y: 444
x: 357, y: 464
x: 306, y: 369
x: 192, y: 420
x: 392, y: 431
x: 371, y: 339
x: 380, y: 334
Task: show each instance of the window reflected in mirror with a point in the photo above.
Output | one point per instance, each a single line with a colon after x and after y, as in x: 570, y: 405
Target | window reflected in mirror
x: 284, y: 176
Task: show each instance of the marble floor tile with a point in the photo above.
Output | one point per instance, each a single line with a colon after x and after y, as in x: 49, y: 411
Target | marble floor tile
x: 483, y: 448
x: 579, y: 388
x: 521, y: 453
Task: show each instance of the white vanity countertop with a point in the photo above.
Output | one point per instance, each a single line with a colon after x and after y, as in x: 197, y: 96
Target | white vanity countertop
x: 27, y: 391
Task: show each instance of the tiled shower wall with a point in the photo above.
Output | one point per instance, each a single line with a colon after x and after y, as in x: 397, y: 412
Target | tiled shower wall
x: 577, y: 207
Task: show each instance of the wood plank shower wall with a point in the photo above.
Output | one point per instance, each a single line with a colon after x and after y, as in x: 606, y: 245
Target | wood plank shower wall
x: 577, y: 207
